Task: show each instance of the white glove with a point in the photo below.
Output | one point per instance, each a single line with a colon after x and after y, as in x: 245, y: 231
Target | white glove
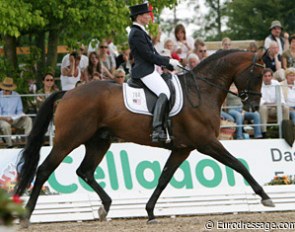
x: 174, y: 63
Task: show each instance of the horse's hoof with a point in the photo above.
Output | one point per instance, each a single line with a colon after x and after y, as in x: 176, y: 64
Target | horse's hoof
x: 153, y: 221
x: 102, y: 213
x: 24, y: 223
x: 267, y: 203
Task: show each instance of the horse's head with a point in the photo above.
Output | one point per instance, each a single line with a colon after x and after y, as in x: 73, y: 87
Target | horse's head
x: 249, y: 81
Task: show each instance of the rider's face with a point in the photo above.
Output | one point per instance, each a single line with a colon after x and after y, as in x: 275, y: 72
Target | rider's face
x: 144, y: 18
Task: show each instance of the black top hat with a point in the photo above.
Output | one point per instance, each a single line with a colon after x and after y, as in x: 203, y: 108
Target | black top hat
x: 139, y: 9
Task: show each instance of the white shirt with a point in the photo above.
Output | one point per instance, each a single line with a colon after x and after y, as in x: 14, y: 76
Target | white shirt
x: 93, y: 46
x: 141, y: 26
x: 84, y: 61
x: 291, y: 97
x: 184, y: 49
x: 269, y: 93
x: 268, y: 40
x: 68, y: 83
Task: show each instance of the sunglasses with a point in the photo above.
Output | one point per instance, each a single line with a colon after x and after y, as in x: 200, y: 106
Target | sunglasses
x: 49, y: 80
x: 120, y: 77
x: 103, y: 46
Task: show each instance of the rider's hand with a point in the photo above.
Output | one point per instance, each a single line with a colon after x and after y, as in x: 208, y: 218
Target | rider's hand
x: 175, y: 63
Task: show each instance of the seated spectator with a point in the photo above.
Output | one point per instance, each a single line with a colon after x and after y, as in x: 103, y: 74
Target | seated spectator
x: 192, y: 61
x: 269, y: 99
x: 83, y: 59
x: 113, y: 50
x: 235, y: 110
x: 200, y: 49
x: 272, y: 60
x: 30, y: 102
x: 124, y: 62
x: 288, y: 57
x: 289, y: 91
x: 183, y: 44
x: 226, y: 43
x: 48, y: 88
x: 72, y: 73
x: 275, y: 35
x: 96, y: 70
x: 119, y: 75
x: 252, y: 47
x: 11, y: 111
x: 169, y: 45
x: 106, y: 58
x: 225, y: 116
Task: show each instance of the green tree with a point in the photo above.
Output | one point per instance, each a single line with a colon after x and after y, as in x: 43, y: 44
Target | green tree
x: 44, y: 25
x: 251, y: 19
x: 213, y: 19
x: 16, y: 16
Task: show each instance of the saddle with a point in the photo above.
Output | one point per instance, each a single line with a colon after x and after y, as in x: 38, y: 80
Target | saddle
x: 139, y: 99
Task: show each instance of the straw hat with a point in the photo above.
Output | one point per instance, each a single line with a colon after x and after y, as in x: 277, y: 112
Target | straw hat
x: 7, y: 84
x: 275, y: 23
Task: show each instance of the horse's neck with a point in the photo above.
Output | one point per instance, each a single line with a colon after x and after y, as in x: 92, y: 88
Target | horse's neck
x: 214, y: 89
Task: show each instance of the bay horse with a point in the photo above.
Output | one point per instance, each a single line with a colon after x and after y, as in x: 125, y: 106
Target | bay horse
x: 93, y: 113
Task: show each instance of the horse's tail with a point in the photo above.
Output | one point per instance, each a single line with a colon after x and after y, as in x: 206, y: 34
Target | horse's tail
x: 30, y: 155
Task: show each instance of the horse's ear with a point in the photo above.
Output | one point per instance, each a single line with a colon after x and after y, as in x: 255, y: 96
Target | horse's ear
x: 260, y: 53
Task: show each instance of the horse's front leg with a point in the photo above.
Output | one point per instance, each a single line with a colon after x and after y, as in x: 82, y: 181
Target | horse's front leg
x: 174, y: 161
x: 217, y: 151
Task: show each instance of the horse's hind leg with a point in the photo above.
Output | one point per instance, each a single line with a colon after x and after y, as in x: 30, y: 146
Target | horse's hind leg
x: 52, y: 161
x: 95, y: 151
x: 218, y: 152
x: 174, y: 161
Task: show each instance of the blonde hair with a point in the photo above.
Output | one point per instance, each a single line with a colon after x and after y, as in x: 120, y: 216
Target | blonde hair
x: 118, y: 71
x: 289, y: 71
x: 226, y: 39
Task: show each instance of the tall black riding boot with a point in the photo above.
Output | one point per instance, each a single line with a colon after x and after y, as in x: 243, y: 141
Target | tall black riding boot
x: 159, y: 115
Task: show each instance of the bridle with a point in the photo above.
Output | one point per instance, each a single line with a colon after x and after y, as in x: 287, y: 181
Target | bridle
x: 244, y: 94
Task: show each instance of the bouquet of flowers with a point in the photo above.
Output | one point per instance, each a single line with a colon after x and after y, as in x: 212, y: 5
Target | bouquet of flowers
x: 282, y: 180
x: 10, y: 208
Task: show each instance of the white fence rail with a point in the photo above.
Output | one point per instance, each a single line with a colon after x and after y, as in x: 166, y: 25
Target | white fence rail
x: 85, y: 206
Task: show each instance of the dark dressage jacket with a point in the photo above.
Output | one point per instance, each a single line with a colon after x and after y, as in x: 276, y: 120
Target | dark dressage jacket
x: 144, y: 54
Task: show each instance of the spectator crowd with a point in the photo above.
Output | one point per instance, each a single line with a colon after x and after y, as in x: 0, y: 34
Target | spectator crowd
x: 107, y: 62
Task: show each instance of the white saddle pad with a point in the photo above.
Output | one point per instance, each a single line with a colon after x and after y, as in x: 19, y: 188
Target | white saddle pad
x: 135, y: 101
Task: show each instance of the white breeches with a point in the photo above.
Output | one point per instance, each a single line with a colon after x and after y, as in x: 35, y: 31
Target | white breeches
x: 156, y: 84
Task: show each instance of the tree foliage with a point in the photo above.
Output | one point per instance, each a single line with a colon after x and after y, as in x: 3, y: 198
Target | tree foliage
x: 45, y: 24
x: 251, y: 19
x: 17, y: 16
x: 213, y: 19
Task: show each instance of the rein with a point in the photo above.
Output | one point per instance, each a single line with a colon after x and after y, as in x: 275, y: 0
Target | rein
x: 243, y: 95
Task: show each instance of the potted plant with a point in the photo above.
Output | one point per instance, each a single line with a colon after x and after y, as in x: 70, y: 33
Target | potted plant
x: 10, y: 209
